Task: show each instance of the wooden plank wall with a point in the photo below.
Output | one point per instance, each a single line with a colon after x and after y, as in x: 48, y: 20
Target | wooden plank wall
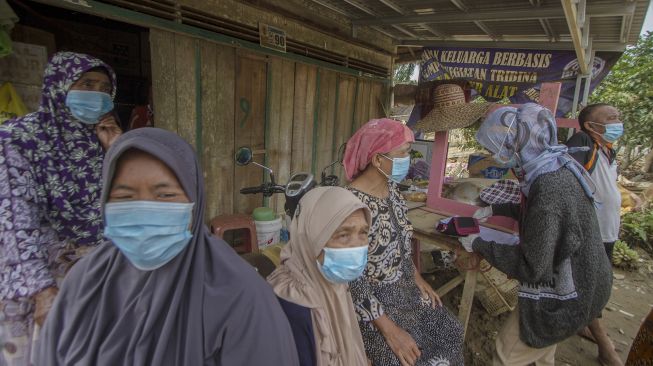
x: 293, y: 115
x: 250, y: 128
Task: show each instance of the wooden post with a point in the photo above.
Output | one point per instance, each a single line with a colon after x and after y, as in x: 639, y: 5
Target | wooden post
x: 468, y: 299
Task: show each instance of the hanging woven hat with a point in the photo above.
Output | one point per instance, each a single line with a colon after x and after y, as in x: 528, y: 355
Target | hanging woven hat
x: 450, y: 110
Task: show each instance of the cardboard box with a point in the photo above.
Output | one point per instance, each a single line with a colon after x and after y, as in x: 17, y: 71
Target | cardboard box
x: 483, y: 166
x: 25, y: 65
x: 25, y: 34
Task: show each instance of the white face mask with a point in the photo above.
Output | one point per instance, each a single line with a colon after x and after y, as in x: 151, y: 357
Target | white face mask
x: 499, y: 156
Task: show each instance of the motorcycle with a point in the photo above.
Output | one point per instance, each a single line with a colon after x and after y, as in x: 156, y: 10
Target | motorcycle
x: 296, y: 187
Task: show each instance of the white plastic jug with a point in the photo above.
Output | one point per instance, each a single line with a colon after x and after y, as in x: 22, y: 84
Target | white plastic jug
x: 268, y: 232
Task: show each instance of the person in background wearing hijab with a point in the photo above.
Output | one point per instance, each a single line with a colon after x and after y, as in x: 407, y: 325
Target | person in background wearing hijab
x: 163, y: 290
x: 50, y: 168
x: 600, y: 128
x: 327, y: 250
x: 564, y: 274
x: 401, y: 318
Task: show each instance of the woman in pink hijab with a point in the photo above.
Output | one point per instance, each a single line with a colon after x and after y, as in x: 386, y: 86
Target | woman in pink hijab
x: 401, y: 318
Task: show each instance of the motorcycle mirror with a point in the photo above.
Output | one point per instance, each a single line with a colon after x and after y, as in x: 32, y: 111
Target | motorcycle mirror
x: 243, y: 156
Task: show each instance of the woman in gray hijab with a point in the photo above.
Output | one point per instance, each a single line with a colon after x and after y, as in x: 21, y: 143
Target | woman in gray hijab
x: 163, y: 291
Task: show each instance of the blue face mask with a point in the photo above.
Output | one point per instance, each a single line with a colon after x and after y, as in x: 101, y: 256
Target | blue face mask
x: 150, y: 234
x: 400, y: 167
x: 88, y: 106
x: 613, y: 131
x: 342, y: 265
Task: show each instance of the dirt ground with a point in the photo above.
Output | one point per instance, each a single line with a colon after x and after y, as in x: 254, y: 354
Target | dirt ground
x: 630, y: 302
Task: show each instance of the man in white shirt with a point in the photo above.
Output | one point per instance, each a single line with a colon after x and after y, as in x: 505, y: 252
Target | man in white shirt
x: 600, y: 128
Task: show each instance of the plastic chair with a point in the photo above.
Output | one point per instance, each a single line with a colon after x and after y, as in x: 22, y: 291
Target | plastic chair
x: 223, y: 223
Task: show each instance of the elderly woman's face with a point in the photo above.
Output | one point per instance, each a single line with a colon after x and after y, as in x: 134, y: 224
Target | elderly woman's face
x: 140, y: 176
x: 350, y: 234
x: 93, y: 81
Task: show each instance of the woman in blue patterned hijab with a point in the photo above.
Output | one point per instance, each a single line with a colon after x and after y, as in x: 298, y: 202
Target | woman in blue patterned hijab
x: 50, y: 171
x: 526, y: 137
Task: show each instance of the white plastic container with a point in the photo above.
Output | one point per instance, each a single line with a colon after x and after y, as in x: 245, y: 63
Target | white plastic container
x: 268, y: 232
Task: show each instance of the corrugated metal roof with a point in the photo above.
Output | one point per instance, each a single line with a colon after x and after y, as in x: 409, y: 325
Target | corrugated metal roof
x: 539, y: 24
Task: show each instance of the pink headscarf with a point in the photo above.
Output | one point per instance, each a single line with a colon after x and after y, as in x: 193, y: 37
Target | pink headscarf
x: 377, y: 136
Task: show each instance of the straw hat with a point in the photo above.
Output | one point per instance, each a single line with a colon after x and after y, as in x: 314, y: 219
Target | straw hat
x: 450, y: 110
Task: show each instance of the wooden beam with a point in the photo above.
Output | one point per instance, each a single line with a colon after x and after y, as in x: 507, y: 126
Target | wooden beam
x: 553, y: 32
x: 381, y: 30
x: 331, y: 7
x: 467, y: 299
x: 452, y: 284
x: 544, y: 28
x: 369, y: 11
x: 465, y: 9
x: 485, y: 29
x: 412, y: 53
x: 599, y: 10
x: 359, y: 6
x: 626, y: 24
x: 571, y: 15
x: 544, y: 44
x: 405, y: 31
x: 435, y: 32
x: 392, y: 6
x: 460, y: 5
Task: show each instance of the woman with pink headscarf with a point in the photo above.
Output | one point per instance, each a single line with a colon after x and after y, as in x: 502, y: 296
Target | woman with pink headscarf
x: 401, y: 318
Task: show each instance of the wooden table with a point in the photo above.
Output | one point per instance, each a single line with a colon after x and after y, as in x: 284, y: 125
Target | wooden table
x: 424, y: 222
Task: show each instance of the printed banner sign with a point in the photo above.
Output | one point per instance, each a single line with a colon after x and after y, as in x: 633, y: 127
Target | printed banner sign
x: 516, y: 74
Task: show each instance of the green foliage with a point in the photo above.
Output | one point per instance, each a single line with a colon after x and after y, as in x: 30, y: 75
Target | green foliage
x: 623, y: 256
x: 637, y: 229
x: 403, y: 73
x: 469, y: 137
x: 629, y: 87
x: 414, y: 154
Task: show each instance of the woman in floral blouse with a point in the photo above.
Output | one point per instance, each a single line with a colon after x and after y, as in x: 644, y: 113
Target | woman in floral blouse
x: 401, y: 318
x: 50, y: 170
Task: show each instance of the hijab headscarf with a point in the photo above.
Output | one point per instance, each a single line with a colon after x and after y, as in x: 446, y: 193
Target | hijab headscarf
x: 64, y: 155
x: 378, y: 136
x: 530, y: 133
x: 204, y: 307
x: 299, y: 280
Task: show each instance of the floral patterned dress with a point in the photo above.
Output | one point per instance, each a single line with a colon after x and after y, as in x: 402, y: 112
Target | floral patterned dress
x: 388, y: 287
x: 50, y: 170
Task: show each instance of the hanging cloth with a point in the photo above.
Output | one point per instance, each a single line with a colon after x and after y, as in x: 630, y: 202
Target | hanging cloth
x: 11, y: 105
x: 7, y: 20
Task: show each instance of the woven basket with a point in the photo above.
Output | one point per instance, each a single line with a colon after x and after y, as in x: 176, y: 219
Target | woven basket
x: 499, y: 293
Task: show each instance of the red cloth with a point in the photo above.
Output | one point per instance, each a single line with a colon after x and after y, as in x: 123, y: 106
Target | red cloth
x: 378, y: 136
x: 140, y: 117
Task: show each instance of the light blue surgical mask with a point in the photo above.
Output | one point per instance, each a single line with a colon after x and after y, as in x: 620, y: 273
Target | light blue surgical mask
x: 510, y: 163
x: 342, y: 265
x: 88, y: 106
x: 150, y: 234
x: 613, y: 131
x: 400, y: 167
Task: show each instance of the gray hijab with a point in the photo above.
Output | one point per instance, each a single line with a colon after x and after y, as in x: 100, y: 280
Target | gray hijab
x: 205, y: 307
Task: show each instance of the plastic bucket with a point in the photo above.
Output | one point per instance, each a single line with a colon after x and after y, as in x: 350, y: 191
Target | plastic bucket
x: 268, y: 232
